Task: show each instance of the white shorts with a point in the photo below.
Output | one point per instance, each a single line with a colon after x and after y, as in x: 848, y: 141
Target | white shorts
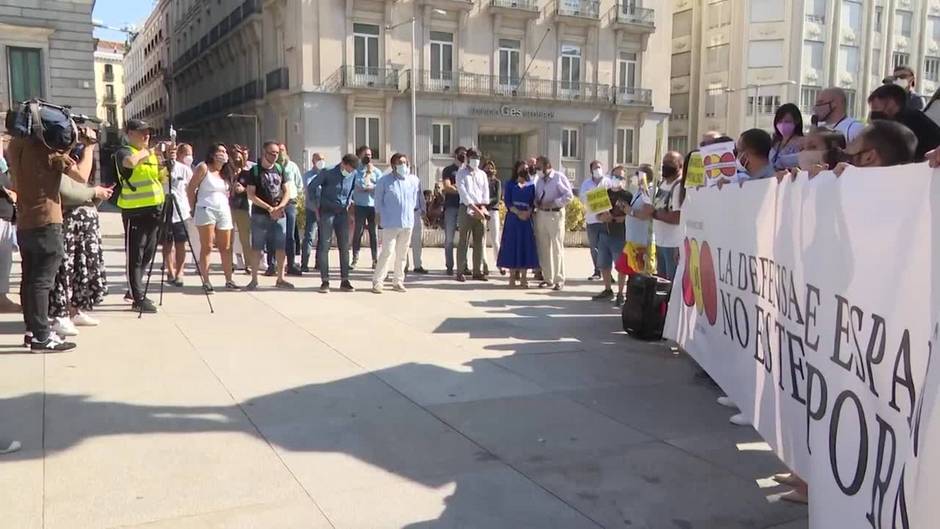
x: 222, y: 218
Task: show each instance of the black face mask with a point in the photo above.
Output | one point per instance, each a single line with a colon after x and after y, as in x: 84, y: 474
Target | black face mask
x: 878, y: 114
x: 366, y: 160
x: 532, y: 171
x: 670, y: 171
x: 462, y: 158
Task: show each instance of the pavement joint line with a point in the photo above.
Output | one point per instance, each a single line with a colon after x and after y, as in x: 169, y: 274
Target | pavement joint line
x: 253, y: 425
x: 442, y: 421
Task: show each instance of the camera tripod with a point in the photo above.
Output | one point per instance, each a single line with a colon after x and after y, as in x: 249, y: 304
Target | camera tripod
x: 171, y: 207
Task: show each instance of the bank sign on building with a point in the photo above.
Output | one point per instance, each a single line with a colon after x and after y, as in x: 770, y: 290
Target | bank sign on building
x: 575, y: 80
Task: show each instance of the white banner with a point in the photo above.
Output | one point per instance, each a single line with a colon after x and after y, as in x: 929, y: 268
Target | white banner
x: 813, y: 305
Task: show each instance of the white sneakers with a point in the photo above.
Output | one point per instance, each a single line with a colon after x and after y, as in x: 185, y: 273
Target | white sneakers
x: 82, y: 319
x: 64, y: 327
x: 725, y: 401
x: 740, y: 420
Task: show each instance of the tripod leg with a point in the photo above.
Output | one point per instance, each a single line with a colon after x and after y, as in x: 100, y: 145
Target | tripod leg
x: 161, y: 233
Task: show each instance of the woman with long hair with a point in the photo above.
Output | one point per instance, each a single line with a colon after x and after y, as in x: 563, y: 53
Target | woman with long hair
x: 209, y: 197
x: 517, y: 251
x: 788, y: 137
x: 80, y: 283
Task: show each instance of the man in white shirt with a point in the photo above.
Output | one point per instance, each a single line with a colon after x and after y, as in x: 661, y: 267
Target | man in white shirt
x: 474, y: 190
x: 666, y: 213
x: 594, y: 225
x: 174, y: 247
x: 830, y: 112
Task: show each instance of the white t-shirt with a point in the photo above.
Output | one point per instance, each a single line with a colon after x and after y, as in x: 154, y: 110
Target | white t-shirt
x: 589, y: 185
x: 668, y: 235
x: 638, y: 231
x: 212, y: 192
x: 179, y: 180
x: 849, y: 127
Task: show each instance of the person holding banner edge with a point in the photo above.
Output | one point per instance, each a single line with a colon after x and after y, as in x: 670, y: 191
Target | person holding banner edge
x: 594, y: 226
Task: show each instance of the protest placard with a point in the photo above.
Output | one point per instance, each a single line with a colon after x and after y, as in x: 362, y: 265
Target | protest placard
x: 719, y: 160
x: 598, y: 200
x: 815, y: 311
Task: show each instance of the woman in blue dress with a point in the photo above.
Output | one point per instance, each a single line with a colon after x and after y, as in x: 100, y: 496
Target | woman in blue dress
x: 517, y: 252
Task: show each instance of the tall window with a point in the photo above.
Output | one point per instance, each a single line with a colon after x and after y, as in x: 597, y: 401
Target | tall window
x: 901, y: 59
x: 367, y: 133
x: 717, y: 58
x: 767, y: 10
x: 904, y: 22
x: 816, y: 11
x: 626, y: 69
x: 877, y: 62
x: 442, y: 55
x: 682, y: 24
x: 719, y: 14
x: 25, y: 73
x: 935, y: 28
x: 852, y: 15
x: 765, y: 53
x: 508, y: 61
x: 765, y: 105
x: 813, y: 53
x: 682, y: 64
x: 624, y: 148
x: 808, y: 98
x: 440, y: 138
x: 366, y: 48
x: 569, y: 143
x: 716, y: 101
x: 112, y: 115
x: 680, y: 106
x: 679, y: 143
x: 570, y: 67
x: 109, y: 91
x: 879, y: 18
x: 849, y: 60
x: 932, y: 69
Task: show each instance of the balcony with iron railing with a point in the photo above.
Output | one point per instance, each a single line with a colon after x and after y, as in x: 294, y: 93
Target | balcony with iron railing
x: 108, y: 98
x: 277, y: 79
x: 353, y: 77
x: 108, y: 77
x: 483, y: 85
x: 527, y: 9
x: 449, y: 5
x: 624, y: 15
x: 217, y: 33
x: 578, y: 11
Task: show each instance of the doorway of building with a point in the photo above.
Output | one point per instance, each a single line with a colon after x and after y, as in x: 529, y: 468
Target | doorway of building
x: 503, y: 149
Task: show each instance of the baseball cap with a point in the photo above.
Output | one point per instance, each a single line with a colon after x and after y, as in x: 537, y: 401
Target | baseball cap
x: 135, y: 125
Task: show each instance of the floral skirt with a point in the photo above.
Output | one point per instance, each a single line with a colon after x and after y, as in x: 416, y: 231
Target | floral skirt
x: 81, y: 281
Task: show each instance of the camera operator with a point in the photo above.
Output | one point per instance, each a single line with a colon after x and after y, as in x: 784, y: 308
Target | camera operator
x: 36, y: 172
x: 141, y: 175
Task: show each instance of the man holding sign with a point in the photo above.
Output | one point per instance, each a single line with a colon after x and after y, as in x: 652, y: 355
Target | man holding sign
x: 610, y: 206
x: 594, y: 226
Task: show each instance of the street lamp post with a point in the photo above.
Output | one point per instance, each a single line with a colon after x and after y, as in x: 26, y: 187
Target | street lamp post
x: 254, y: 119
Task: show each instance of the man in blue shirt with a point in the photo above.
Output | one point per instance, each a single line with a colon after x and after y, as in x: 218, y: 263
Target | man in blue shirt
x: 335, y: 188
x: 311, y: 205
x: 364, y: 198
x: 396, y: 197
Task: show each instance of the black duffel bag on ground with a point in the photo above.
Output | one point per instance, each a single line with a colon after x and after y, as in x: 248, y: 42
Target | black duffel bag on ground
x: 644, y: 309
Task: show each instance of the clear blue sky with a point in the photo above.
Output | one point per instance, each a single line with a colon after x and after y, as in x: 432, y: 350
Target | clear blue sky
x: 118, y: 13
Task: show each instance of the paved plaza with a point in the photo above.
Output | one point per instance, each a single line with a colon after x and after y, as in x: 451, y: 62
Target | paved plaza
x: 467, y: 406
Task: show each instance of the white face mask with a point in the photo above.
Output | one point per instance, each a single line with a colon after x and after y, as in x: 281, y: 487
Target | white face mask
x: 403, y: 170
x: 188, y: 160
x: 474, y: 163
x: 222, y: 158
x: 598, y: 174
x: 320, y: 164
x: 616, y: 183
x: 903, y: 83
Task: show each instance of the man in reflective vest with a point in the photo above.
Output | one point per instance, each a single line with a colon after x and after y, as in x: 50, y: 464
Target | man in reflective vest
x: 141, y: 175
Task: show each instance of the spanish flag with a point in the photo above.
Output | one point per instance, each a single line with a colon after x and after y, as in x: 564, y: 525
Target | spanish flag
x: 633, y: 259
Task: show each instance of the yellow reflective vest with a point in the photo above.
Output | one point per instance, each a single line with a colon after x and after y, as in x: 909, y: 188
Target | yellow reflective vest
x: 144, y: 187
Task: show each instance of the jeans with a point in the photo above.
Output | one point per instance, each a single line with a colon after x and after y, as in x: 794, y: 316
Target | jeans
x: 140, y: 229
x: 471, y: 227
x: 290, y: 247
x: 417, y: 232
x: 365, y: 215
x: 667, y: 260
x: 267, y: 233
x: 593, y: 232
x: 450, y: 230
x: 7, y: 244
x: 41, y: 254
x: 394, y: 246
x: 311, y: 233
x: 333, y: 222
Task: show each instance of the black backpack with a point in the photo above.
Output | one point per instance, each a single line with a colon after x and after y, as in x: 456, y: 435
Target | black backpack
x: 51, y: 124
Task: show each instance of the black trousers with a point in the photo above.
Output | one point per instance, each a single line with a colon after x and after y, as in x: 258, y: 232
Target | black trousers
x: 41, y: 253
x: 140, y: 234
x: 365, y: 218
